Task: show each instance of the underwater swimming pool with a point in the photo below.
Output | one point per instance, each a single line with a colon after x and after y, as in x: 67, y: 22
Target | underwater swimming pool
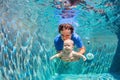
x: 27, y: 32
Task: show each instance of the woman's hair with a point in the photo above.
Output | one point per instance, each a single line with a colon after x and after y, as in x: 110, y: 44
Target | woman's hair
x: 66, y: 26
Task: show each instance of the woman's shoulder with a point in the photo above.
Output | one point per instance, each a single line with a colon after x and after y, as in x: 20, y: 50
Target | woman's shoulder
x: 58, y: 37
x: 75, y: 35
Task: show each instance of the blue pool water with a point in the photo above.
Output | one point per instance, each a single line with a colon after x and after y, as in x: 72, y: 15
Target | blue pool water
x: 104, y: 76
x: 27, y: 32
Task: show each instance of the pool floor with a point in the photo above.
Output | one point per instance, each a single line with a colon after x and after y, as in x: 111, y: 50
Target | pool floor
x: 104, y: 76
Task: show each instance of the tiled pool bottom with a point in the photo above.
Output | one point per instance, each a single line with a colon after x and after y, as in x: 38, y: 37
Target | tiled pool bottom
x: 104, y: 76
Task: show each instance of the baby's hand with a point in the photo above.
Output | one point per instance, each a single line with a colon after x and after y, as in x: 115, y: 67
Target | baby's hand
x: 84, y: 58
x: 51, y: 58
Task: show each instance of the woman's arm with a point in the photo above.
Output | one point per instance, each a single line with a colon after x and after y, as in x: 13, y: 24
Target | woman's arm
x: 82, y: 50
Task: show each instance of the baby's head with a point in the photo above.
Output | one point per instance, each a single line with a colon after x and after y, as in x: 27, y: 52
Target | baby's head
x: 68, y: 44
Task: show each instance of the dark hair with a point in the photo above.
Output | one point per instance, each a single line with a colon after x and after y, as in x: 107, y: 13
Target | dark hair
x: 66, y: 26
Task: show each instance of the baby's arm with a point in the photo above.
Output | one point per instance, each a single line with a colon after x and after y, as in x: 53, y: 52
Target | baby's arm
x: 80, y: 55
x: 55, y: 56
x: 84, y: 58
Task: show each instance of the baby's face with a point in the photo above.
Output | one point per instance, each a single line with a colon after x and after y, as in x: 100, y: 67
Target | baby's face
x: 68, y: 45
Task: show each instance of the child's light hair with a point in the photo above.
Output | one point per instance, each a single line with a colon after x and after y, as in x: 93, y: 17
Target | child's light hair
x: 69, y: 40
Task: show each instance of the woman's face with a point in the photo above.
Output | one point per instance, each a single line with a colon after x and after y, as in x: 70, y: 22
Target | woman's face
x: 65, y: 34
